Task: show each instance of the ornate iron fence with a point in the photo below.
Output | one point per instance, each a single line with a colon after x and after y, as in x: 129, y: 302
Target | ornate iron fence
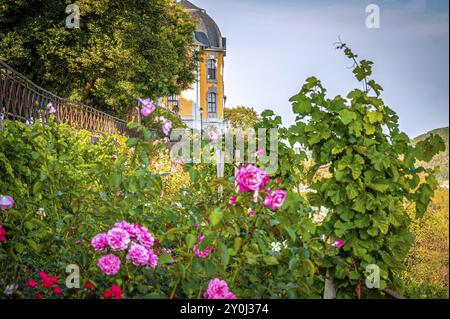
x: 22, y: 100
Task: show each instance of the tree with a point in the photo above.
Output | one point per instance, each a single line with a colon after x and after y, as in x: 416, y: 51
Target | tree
x: 123, y: 49
x: 241, y: 117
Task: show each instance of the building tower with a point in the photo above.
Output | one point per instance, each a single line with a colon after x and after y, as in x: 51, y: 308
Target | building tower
x: 203, y: 105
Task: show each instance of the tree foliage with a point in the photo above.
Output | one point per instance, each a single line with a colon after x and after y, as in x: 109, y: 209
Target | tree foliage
x: 123, y: 49
x: 243, y: 117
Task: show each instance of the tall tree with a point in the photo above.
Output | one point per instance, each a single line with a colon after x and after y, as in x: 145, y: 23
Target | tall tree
x: 242, y: 117
x: 124, y: 49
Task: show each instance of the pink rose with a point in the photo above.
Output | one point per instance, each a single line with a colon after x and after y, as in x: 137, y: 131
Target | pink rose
x: 6, y: 202
x: 118, y: 239
x: 218, y: 289
x: 152, y: 259
x: 233, y: 200
x: 260, y: 152
x: 201, y: 253
x: 251, y: 178
x: 338, y: 244
x: 143, y: 236
x: 2, y: 234
x: 100, y: 242
x: 138, y: 254
x: 167, y: 127
x: 126, y: 226
x: 109, y: 264
x: 275, y: 200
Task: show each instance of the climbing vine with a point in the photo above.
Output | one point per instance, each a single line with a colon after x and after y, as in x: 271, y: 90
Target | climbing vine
x: 372, y: 177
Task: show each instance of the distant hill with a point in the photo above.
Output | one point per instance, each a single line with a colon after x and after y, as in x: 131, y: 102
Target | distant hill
x: 441, y: 159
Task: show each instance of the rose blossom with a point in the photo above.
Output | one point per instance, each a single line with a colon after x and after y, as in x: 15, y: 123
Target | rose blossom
x: 89, y: 285
x: 109, y: 264
x: 6, y: 202
x: 260, y: 152
x: 233, y: 200
x: 251, y: 178
x: 57, y: 290
x: 129, y: 228
x: 2, y: 234
x: 218, y: 289
x: 100, y: 242
x: 32, y: 283
x: 167, y: 127
x: 152, y: 259
x: 138, y: 254
x: 275, y: 200
x: 114, y: 291
x: 143, y: 236
x: 148, y: 107
x: 201, y: 253
x: 338, y: 244
x: 118, y: 239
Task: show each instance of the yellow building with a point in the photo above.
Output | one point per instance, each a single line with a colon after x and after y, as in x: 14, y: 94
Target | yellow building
x: 202, y: 106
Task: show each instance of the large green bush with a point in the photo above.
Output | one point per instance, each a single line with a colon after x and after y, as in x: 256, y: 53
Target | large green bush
x: 86, y: 185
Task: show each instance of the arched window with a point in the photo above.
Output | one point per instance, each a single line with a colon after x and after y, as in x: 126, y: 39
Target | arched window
x: 212, y: 105
x: 173, y: 101
x: 212, y: 69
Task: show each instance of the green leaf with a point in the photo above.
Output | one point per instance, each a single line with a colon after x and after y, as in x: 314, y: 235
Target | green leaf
x: 132, y: 142
x: 224, y: 255
x: 190, y: 240
x: 302, y: 106
x: 374, y: 117
x: 216, y: 217
x: 270, y: 260
x: 267, y: 113
x: 291, y: 233
x: 165, y: 259
x: 347, y: 116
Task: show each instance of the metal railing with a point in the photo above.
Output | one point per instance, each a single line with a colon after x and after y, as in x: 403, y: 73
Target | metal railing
x: 21, y: 99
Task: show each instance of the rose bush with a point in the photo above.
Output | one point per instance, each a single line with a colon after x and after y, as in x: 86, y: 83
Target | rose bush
x: 101, y: 202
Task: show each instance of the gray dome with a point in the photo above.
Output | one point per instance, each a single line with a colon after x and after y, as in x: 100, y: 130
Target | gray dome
x: 208, y: 33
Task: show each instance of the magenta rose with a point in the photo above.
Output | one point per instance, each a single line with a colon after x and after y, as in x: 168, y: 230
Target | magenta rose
x: 251, y: 178
x: 118, y: 239
x: 100, y: 242
x: 167, y: 127
x: 109, y: 264
x: 2, y: 234
x: 218, y: 289
x: 152, y: 259
x: 138, y: 254
x: 143, y: 236
x: 275, y: 200
x: 6, y: 202
x: 201, y: 253
x: 129, y: 228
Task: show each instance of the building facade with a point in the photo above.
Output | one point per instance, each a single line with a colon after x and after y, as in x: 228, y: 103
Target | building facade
x: 203, y: 105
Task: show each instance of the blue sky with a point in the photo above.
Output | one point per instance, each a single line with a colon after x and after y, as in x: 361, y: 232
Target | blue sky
x: 274, y: 45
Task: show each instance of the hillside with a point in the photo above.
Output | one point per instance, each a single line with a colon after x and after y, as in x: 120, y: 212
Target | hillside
x: 441, y: 159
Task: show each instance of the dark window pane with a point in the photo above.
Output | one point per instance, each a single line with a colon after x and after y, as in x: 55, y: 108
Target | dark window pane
x: 212, y: 104
x: 211, y: 66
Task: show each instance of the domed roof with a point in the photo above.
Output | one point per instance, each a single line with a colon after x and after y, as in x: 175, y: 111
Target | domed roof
x: 208, y: 33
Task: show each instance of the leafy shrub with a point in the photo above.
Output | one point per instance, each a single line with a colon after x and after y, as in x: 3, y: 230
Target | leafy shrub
x: 426, y: 274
